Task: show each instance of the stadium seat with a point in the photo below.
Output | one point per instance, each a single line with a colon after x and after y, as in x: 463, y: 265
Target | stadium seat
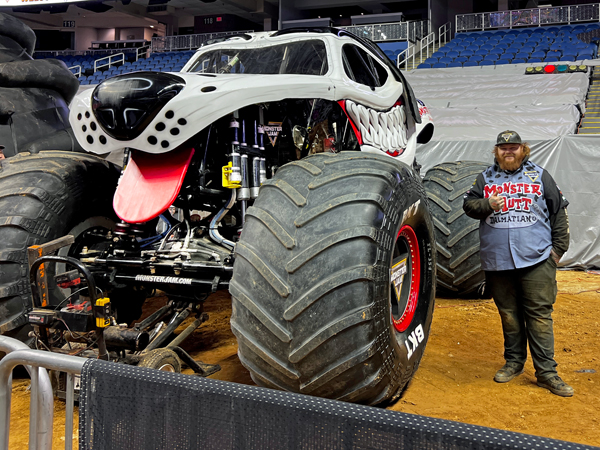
x: 439, y: 65
x: 582, y: 56
x: 493, y: 57
x: 460, y: 59
x: 430, y: 60
x: 487, y: 62
x: 502, y: 61
x: 482, y: 51
x: 551, y: 59
x: 452, y: 54
x: 567, y: 58
x: 522, y: 56
x: 519, y: 61
x: 486, y: 47
x: 445, y: 60
x: 424, y: 66
x: 476, y: 58
x: 538, y: 54
x: 471, y: 64
x: 467, y: 53
x: 455, y: 64
x: 438, y: 54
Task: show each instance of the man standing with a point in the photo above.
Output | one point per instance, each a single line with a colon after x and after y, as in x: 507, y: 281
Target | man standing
x: 524, y: 232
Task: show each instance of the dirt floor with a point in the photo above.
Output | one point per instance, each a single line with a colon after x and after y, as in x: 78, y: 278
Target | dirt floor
x: 454, y: 380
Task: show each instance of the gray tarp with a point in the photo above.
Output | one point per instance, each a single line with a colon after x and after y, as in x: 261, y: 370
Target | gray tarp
x: 475, y: 103
x: 574, y: 163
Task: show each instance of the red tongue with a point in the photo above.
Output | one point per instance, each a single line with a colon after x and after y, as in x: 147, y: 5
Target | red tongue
x: 150, y: 184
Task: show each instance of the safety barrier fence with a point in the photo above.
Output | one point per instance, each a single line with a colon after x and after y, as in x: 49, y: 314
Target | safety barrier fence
x: 399, y: 31
x: 122, y: 406
x: 41, y: 406
x: 187, y: 42
x: 528, y: 17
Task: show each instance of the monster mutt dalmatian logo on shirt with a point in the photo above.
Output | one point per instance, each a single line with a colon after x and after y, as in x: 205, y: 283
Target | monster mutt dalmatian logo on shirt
x: 520, y: 202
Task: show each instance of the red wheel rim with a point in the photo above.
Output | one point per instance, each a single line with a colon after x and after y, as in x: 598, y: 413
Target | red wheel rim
x: 409, y: 260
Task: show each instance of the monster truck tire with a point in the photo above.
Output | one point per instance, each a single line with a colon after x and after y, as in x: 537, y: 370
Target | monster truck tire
x: 43, y: 197
x: 161, y: 359
x: 313, y: 307
x: 459, y: 271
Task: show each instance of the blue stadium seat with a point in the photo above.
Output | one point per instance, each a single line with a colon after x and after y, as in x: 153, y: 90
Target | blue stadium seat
x: 476, y: 58
x: 538, y: 54
x: 473, y: 48
x: 467, y: 53
x: 556, y: 53
x: 519, y: 60
x: 567, y: 58
x: 532, y: 60
x: 502, y: 61
x: 522, y: 55
x: 550, y: 59
x: 471, y: 64
x: 496, y: 52
x: 527, y: 49
x: 439, y: 65
x: 452, y: 54
x: 582, y: 56
x: 487, y: 62
x: 486, y: 47
x: 455, y: 64
x: 438, y: 54
x: 570, y: 52
x: 444, y: 60
x: 460, y: 59
x: 482, y: 51
x: 430, y: 60
x: 424, y: 66
x: 493, y: 57
x: 502, y: 45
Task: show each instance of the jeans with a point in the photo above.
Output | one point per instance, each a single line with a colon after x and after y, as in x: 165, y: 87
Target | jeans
x: 525, y: 299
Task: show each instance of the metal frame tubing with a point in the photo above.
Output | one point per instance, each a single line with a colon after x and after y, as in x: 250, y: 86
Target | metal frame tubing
x: 41, y: 405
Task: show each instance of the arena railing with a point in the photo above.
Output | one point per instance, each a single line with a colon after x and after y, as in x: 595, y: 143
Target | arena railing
x: 528, y: 17
x: 109, y: 61
x: 398, y: 31
x: 445, y: 34
x: 188, y: 41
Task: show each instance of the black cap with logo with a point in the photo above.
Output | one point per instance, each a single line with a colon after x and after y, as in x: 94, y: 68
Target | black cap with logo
x: 508, y: 137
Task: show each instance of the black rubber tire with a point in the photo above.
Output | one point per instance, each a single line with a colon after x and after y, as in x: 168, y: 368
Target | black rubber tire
x: 161, y: 359
x: 459, y: 273
x: 311, y: 285
x: 43, y: 197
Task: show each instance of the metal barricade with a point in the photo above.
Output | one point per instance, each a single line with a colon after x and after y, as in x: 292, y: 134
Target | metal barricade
x: 41, y: 407
x: 111, y: 59
x: 528, y: 17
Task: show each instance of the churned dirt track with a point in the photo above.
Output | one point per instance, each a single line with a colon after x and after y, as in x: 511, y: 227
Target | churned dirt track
x: 455, y: 378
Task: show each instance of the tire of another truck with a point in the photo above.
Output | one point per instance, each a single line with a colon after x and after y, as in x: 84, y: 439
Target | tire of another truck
x: 43, y: 197
x: 459, y: 273
x: 329, y: 242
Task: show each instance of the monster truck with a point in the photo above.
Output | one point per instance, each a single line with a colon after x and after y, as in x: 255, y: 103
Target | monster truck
x: 291, y: 155
x: 34, y: 116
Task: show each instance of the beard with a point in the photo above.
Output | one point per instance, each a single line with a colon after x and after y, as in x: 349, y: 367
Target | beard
x: 511, y: 164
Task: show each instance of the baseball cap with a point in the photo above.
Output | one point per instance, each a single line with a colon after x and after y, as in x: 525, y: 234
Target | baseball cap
x: 508, y: 137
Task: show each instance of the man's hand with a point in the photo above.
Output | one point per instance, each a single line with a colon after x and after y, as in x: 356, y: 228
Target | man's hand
x: 555, y: 257
x: 496, y: 202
